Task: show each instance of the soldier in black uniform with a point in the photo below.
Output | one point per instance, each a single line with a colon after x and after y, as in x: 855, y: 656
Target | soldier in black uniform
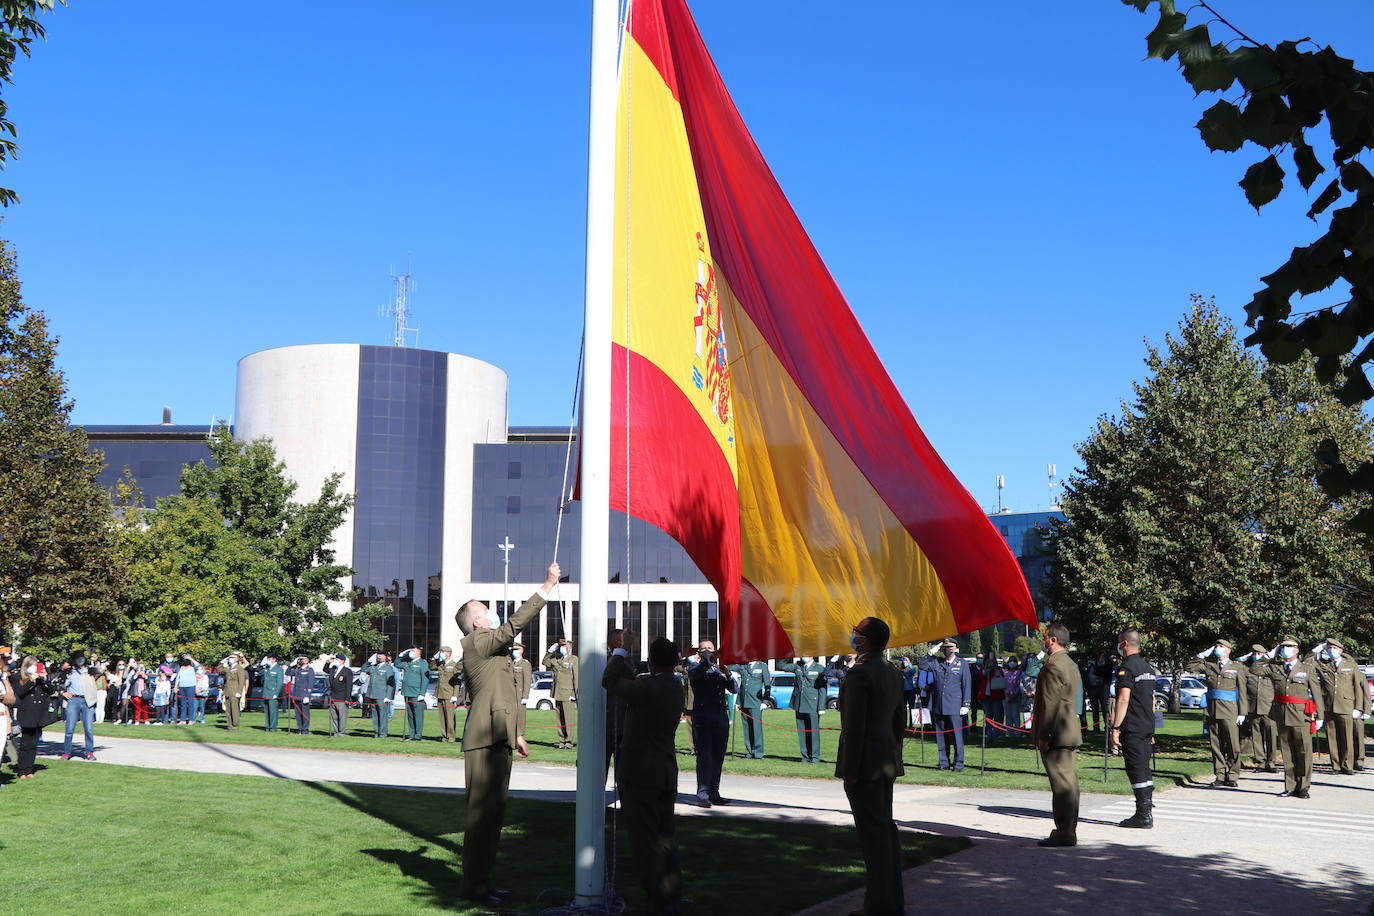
x: 1133, y: 724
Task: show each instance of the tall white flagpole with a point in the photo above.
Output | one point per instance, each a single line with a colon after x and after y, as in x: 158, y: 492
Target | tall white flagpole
x: 589, y: 835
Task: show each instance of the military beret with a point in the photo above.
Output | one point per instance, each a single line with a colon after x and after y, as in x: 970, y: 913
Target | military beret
x: 1226, y: 643
x: 1288, y: 641
x: 1258, y: 648
x: 445, y: 649
x: 1335, y: 643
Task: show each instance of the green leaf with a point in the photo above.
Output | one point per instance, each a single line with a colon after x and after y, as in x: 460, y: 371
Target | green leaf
x: 1325, y: 199
x: 1356, y: 389
x: 1220, y: 128
x: 1194, y: 45
x: 1308, y: 167
x: 1256, y: 68
x: 1355, y: 177
x: 1211, y: 75
x: 1268, y: 121
x: 1263, y: 181
x: 1160, y: 42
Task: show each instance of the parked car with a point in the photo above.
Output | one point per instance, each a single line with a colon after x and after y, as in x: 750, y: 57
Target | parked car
x: 783, y: 684
x: 1192, y: 693
x: 541, y: 691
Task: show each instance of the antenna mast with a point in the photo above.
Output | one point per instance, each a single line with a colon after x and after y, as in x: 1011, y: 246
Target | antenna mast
x: 400, y: 311
x: 1054, y: 484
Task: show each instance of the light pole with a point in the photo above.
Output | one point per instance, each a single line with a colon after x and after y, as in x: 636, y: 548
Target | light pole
x: 505, y: 547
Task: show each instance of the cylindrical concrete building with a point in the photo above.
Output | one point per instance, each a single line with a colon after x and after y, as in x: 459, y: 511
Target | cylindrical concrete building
x: 399, y: 424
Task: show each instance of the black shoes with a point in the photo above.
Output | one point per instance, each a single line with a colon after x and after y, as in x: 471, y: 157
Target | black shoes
x: 1053, y: 840
x: 1144, y: 818
x: 1301, y: 793
x: 717, y: 799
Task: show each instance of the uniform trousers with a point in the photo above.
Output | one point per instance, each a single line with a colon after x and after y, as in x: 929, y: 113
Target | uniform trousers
x: 1259, y: 739
x: 1340, y: 740
x: 1359, y: 742
x: 448, y: 720
x: 809, y: 736
x: 338, y: 716
x: 1295, y: 743
x: 1061, y: 766
x: 302, y: 708
x: 752, y: 719
x: 415, y: 718
x: 871, y: 803
x: 381, y: 719
x: 231, y: 710
x: 710, y: 737
x: 647, y: 811
x: 1224, y: 734
x: 567, y: 722
x: 486, y: 773
x: 947, y: 727
x: 1136, y: 749
x: 272, y: 707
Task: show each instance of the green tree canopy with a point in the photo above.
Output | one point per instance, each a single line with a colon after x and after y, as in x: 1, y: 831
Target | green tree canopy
x: 1300, y: 103
x: 59, y: 573
x: 233, y: 562
x: 1197, y: 513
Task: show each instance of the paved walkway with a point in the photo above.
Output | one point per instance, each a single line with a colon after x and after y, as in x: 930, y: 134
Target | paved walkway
x: 1224, y: 851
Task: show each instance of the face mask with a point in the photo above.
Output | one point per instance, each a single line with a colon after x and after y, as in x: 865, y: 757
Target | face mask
x: 1011, y: 664
x: 517, y: 655
x: 808, y: 661
x: 854, y: 642
x: 1335, y: 654
x: 981, y: 660
x: 32, y: 670
x: 1223, y: 653
x: 1288, y: 651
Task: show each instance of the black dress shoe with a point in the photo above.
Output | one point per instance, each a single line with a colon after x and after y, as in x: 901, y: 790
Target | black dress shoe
x: 1232, y: 784
x: 1056, y: 841
x: 719, y: 800
x: 1301, y: 793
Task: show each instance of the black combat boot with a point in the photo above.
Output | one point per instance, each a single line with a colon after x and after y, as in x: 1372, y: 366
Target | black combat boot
x: 1144, y: 810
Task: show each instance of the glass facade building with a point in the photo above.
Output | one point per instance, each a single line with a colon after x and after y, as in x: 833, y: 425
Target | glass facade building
x: 398, y: 520
x: 155, y: 455
x: 1024, y: 534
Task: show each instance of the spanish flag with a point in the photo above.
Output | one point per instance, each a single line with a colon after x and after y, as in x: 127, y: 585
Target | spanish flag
x: 751, y: 418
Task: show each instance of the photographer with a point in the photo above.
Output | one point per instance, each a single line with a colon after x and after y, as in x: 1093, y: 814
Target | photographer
x: 710, y: 682
x: 32, y: 694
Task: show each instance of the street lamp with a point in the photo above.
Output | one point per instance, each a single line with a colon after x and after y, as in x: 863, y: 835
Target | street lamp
x: 505, y: 547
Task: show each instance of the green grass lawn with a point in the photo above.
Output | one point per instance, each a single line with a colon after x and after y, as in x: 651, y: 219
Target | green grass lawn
x: 1182, y: 749
x: 166, y: 841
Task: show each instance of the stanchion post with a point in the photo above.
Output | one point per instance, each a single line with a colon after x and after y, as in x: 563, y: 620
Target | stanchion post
x: 983, y: 757
x: 1106, y: 749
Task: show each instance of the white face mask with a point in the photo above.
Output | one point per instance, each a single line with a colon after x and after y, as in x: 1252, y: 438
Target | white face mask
x: 808, y: 661
x: 1335, y: 654
x: 1288, y: 651
x: 31, y: 670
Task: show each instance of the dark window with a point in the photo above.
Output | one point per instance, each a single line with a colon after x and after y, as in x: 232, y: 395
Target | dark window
x: 706, y: 622
x: 658, y: 620
x: 512, y: 470
x: 512, y: 505
x: 682, y: 623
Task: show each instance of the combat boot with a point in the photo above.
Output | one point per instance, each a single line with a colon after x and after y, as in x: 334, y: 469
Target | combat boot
x: 1144, y: 810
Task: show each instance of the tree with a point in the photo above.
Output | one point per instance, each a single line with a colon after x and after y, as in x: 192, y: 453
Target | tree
x: 1280, y: 93
x: 59, y: 576
x: 21, y: 27
x: 233, y: 562
x: 1197, y: 513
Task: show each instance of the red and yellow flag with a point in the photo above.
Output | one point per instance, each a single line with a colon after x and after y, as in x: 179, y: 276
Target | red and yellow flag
x: 763, y: 432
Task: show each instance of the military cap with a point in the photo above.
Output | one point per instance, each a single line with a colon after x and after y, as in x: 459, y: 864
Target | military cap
x: 1288, y: 641
x: 516, y: 645
x: 1335, y: 643
x: 1258, y: 648
x: 947, y: 643
x: 446, y: 649
x: 1226, y: 643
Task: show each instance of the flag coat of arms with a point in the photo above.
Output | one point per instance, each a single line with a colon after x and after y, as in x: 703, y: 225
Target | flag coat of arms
x: 751, y: 418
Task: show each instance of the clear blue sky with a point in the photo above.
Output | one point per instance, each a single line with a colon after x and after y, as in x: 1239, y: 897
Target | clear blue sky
x: 1010, y: 197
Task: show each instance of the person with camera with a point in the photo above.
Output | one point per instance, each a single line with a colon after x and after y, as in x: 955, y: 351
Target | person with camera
x: 33, y: 696
x: 79, y: 692
x: 710, y: 681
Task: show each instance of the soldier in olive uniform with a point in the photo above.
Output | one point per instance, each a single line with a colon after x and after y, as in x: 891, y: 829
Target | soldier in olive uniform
x: 1361, y: 717
x: 273, y: 680
x: 490, y: 732
x: 446, y: 692
x: 1228, y: 703
x: 524, y: 679
x: 412, y: 670
x: 1342, y: 684
x: 235, y: 673
x: 756, y: 685
x: 380, y: 692
x: 560, y: 660
x: 1258, y: 732
x: 808, y: 698
x: 1057, y: 732
x: 1297, y: 713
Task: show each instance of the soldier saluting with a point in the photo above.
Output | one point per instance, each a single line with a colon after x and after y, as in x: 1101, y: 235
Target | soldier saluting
x: 1228, y: 703
x: 755, y: 686
x: 1343, y: 685
x: 1259, y: 728
x: 1297, y: 713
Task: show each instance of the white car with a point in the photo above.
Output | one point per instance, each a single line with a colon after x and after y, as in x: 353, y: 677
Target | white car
x: 541, y: 691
